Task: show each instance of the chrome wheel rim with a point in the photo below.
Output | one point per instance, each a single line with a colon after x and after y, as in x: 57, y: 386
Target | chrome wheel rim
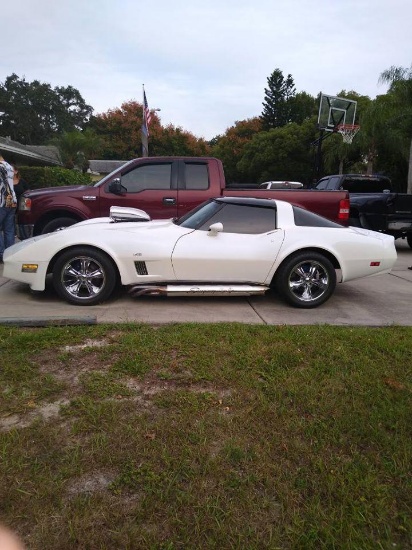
x: 83, y: 277
x: 308, y: 281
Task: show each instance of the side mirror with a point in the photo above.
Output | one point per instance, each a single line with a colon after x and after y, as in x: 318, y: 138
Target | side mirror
x: 215, y: 228
x: 116, y: 187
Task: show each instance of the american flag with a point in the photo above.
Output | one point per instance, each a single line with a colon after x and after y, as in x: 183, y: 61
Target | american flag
x: 147, y: 113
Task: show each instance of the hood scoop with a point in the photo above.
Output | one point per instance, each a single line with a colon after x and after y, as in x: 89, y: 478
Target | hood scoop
x: 126, y: 214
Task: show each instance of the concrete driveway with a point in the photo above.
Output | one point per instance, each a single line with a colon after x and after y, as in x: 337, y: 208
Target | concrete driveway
x: 377, y: 301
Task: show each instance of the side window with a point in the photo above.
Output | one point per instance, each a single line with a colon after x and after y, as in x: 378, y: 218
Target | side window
x: 148, y: 176
x: 322, y: 184
x: 243, y: 219
x: 197, y: 176
x: 333, y: 183
x: 306, y: 218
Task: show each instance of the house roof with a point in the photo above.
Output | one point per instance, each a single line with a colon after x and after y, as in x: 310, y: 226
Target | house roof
x: 31, y: 154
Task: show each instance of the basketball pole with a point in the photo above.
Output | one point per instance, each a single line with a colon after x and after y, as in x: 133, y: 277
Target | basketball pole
x: 318, y: 158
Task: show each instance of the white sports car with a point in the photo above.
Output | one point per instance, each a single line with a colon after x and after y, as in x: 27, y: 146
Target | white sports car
x: 226, y: 246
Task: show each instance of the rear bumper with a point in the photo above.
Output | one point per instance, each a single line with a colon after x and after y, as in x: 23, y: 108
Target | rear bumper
x: 400, y: 225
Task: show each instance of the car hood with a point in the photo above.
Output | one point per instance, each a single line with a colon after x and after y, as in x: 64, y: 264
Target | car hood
x: 102, y: 232
x: 108, y: 223
x: 63, y: 189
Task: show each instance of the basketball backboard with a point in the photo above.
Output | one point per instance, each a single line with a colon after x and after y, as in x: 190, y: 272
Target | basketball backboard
x: 335, y: 111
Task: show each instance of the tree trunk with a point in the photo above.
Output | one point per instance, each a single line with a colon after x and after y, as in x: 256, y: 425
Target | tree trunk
x: 369, y: 167
x: 409, y: 188
x: 370, y: 159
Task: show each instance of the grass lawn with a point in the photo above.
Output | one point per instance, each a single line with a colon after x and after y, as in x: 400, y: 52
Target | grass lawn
x: 193, y: 436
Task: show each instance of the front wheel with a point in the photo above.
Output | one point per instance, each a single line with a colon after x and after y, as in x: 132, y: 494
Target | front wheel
x: 306, y: 279
x: 409, y: 239
x: 84, y: 276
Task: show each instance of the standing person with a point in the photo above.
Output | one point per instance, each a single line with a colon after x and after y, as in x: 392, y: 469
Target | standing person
x: 19, y: 184
x: 8, y: 205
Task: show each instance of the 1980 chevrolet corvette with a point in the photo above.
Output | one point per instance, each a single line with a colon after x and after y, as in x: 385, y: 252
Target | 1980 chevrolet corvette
x: 226, y: 246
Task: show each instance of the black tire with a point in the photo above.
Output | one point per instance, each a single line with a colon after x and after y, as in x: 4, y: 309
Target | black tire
x: 58, y: 224
x: 354, y: 222
x: 84, y: 276
x: 306, y: 279
x: 409, y: 239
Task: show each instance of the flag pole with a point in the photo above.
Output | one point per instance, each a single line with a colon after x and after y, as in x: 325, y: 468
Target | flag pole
x: 144, y: 130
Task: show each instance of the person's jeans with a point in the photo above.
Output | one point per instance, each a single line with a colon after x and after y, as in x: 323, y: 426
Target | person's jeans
x: 7, y: 228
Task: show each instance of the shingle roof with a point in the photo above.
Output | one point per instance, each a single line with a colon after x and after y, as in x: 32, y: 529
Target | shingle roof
x: 39, y: 154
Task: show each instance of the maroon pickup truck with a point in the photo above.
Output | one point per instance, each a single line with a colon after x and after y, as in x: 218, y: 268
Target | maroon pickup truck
x: 165, y: 187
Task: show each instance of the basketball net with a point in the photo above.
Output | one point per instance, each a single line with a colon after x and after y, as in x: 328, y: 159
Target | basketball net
x: 348, y: 131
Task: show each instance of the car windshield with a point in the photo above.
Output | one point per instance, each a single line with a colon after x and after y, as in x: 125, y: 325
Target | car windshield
x: 197, y: 217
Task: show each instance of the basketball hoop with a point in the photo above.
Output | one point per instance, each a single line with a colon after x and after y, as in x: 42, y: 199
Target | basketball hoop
x: 348, y: 131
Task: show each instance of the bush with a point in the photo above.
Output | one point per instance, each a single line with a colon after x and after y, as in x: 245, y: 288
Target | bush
x: 47, y: 176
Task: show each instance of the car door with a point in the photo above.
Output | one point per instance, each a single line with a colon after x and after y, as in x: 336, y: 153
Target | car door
x: 150, y: 186
x: 243, y: 252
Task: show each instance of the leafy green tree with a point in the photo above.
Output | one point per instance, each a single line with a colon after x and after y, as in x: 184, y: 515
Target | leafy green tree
x: 277, y: 106
x: 373, y: 132
x: 229, y: 148
x: 77, y: 148
x: 120, y: 131
x: 173, y: 140
x: 303, y: 106
x: 399, y: 113
x: 284, y: 153
x: 340, y: 157
x: 50, y: 176
x: 33, y: 112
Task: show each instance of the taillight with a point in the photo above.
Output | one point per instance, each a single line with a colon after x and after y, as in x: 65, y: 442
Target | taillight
x: 344, y: 207
x: 25, y: 204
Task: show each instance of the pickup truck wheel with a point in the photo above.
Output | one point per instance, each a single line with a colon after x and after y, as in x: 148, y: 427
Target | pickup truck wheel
x: 306, y: 279
x: 409, y: 239
x: 355, y: 222
x: 58, y: 224
x: 84, y: 276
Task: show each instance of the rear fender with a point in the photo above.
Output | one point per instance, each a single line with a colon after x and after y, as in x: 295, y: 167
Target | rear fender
x: 331, y: 257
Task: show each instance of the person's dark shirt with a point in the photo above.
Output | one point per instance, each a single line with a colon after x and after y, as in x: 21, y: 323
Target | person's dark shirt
x: 20, y: 188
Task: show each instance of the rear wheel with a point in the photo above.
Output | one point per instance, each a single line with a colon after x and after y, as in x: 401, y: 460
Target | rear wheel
x: 84, y: 276
x: 306, y: 279
x: 354, y: 222
x: 58, y: 224
x: 409, y: 239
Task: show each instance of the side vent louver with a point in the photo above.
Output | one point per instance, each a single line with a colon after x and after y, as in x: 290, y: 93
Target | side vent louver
x: 141, y: 268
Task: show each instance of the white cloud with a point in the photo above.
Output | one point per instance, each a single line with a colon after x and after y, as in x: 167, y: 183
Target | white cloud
x: 204, y: 64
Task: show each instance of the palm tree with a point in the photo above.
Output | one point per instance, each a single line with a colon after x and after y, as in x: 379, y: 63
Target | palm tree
x: 77, y: 147
x: 400, y: 110
x: 374, y: 129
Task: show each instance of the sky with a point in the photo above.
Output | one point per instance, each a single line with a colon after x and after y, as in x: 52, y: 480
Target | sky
x: 204, y: 64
